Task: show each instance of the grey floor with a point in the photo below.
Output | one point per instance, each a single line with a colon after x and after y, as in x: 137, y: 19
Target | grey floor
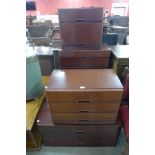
x: 120, y: 149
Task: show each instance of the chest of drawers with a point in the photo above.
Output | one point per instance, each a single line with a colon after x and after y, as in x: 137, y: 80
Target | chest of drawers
x: 76, y: 135
x: 84, y: 59
x: 84, y: 96
x: 81, y: 28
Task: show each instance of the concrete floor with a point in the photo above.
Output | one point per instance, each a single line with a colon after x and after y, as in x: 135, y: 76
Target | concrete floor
x: 120, y: 149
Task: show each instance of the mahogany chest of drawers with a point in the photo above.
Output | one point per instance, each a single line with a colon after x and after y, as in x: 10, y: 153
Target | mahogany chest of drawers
x: 84, y: 59
x: 76, y: 135
x: 81, y: 28
x: 84, y: 96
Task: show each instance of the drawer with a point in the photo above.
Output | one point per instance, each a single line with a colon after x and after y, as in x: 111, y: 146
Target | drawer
x: 85, y: 62
x: 85, y: 54
x: 81, y: 35
x: 84, y: 45
x: 84, y: 97
x: 76, y: 135
x: 84, y: 107
x: 80, y: 14
x: 84, y: 118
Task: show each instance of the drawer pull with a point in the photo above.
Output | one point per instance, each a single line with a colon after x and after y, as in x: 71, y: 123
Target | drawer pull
x: 83, y: 101
x: 80, y: 44
x: 79, y: 131
x: 84, y: 120
x: 81, y: 20
x: 80, y: 143
x: 83, y: 111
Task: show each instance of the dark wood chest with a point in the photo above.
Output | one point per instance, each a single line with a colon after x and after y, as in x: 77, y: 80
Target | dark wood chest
x: 84, y: 96
x: 81, y: 28
x: 76, y: 135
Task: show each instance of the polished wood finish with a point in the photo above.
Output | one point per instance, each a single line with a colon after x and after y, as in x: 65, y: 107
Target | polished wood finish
x: 84, y: 59
x: 33, y: 138
x: 84, y: 118
x: 84, y: 63
x: 81, y: 14
x: 84, y: 107
x: 79, y: 89
x: 81, y: 28
x: 84, y: 96
x: 91, y: 79
x: 81, y: 35
x: 105, y: 53
x: 76, y: 135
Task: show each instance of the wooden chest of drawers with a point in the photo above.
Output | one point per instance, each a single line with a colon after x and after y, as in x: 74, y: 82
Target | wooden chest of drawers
x: 81, y: 28
x: 76, y: 135
x: 84, y: 96
x: 84, y: 59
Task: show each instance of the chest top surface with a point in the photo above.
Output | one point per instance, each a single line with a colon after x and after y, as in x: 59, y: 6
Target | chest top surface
x: 83, y: 79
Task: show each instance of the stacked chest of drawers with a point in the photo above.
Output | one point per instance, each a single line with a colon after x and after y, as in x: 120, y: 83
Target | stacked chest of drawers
x: 85, y: 59
x: 81, y: 33
x: 84, y: 106
x: 81, y: 28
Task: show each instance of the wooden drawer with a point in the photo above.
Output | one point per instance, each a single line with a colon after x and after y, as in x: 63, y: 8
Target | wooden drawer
x: 84, y: 96
x: 104, y: 53
x: 81, y: 35
x: 85, y: 62
x: 84, y: 107
x: 81, y: 46
x: 84, y: 118
x: 80, y: 135
x: 80, y: 14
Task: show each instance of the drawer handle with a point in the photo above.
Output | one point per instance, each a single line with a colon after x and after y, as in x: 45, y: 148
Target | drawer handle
x: 79, y: 132
x: 81, y: 20
x: 84, y: 101
x: 80, y: 44
x: 83, y: 111
x: 80, y: 143
x: 84, y: 120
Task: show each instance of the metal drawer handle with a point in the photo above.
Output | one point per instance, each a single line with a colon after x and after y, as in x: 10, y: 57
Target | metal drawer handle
x: 84, y: 120
x: 83, y: 111
x: 80, y: 143
x: 79, y: 131
x: 84, y: 101
x: 80, y: 44
x: 81, y: 20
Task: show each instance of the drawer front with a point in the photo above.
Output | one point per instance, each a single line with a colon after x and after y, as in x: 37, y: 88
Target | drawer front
x: 84, y: 107
x: 85, y: 62
x: 77, y: 135
x: 81, y: 15
x: 81, y: 34
x: 82, y: 46
x: 99, y: 141
x: 84, y: 97
x: 84, y: 118
x: 84, y: 53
